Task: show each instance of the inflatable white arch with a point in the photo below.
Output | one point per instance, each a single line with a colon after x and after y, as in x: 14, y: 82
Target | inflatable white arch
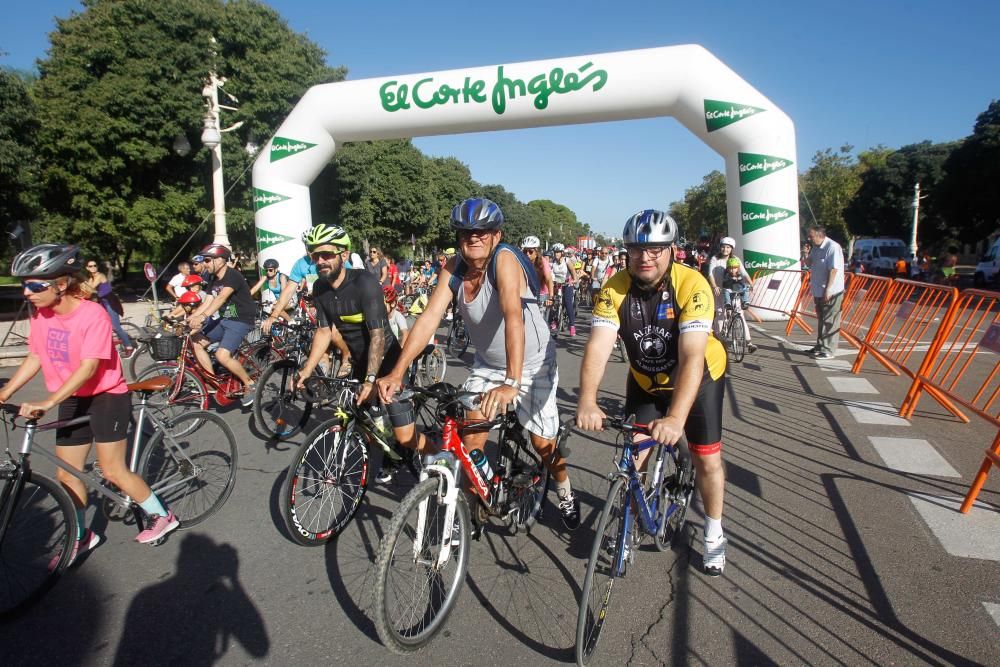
x: 756, y: 139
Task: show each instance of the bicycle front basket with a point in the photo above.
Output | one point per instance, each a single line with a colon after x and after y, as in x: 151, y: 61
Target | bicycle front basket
x: 165, y: 348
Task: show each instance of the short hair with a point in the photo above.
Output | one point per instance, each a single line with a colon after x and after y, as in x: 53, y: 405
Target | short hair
x: 183, y: 262
x: 818, y: 228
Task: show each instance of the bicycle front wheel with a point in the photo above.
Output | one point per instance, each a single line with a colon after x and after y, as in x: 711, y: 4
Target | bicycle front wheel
x: 433, y: 368
x: 279, y: 410
x: 738, y: 338
x: 605, y: 565
x: 37, y: 546
x: 324, y: 485
x: 413, y: 594
x: 458, y: 339
x: 180, y: 397
x: 190, y: 464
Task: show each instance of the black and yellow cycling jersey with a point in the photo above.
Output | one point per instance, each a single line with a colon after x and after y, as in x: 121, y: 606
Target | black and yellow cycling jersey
x: 356, y: 307
x: 650, y: 323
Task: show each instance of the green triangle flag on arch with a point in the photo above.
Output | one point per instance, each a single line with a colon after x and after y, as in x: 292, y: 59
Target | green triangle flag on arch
x: 762, y: 261
x: 266, y: 239
x: 282, y: 147
x: 757, y: 216
x: 719, y: 114
x: 263, y: 198
x: 758, y: 165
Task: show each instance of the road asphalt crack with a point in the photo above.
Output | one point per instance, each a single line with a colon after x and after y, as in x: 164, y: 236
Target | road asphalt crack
x: 642, y: 640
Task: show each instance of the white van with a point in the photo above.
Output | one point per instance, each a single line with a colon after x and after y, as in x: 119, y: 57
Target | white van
x: 989, y: 264
x: 879, y: 255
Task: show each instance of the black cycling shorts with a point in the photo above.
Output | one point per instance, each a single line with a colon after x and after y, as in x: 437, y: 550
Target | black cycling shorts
x: 109, y: 418
x: 704, y: 423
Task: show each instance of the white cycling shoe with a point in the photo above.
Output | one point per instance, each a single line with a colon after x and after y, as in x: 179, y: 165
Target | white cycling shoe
x: 714, y: 558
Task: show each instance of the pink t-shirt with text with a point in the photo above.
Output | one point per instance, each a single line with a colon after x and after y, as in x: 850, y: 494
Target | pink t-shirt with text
x: 61, y: 342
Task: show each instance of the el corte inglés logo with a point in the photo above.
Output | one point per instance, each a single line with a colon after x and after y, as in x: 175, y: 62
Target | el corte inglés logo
x: 266, y: 239
x: 762, y: 261
x: 282, y: 147
x: 757, y: 216
x: 719, y: 114
x: 427, y: 93
x: 263, y: 198
x: 756, y: 165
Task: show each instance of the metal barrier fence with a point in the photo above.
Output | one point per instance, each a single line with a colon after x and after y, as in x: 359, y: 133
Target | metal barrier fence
x: 864, y: 297
x: 780, y: 292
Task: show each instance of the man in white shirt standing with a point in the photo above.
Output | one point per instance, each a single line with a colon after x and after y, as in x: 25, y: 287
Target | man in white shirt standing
x: 826, y: 275
x: 174, y: 287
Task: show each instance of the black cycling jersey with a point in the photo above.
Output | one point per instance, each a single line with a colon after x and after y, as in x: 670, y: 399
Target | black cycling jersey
x: 356, y: 308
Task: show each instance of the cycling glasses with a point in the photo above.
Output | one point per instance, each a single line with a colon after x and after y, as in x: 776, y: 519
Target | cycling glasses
x: 324, y: 255
x: 35, y: 286
x: 652, y: 251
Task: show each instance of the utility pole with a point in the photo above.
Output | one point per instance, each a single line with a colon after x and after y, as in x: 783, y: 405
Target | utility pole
x: 916, y: 218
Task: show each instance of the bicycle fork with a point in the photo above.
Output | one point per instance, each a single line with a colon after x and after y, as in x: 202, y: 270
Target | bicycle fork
x: 448, y: 490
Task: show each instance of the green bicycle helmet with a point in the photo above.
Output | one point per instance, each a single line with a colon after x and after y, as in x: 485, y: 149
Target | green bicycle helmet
x: 732, y: 263
x: 323, y: 234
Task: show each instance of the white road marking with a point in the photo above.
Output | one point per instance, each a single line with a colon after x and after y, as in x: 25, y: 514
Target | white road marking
x: 850, y: 385
x: 834, y: 365
x: 912, y: 455
x: 972, y: 535
x: 993, y: 609
x: 875, y: 412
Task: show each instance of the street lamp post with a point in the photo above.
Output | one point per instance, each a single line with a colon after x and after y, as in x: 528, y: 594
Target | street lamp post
x: 211, y: 138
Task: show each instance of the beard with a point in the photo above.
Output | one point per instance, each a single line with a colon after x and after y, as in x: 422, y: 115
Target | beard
x: 334, y: 272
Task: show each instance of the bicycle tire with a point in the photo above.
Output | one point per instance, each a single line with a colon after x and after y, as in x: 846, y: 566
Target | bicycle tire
x: 527, y: 481
x: 309, y: 496
x: 279, y: 410
x: 738, y: 337
x: 440, y: 593
x: 605, y: 557
x: 433, y: 367
x: 196, y: 473
x: 172, y: 402
x: 33, y: 539
x: 140, y: 360
x: 458, y: 338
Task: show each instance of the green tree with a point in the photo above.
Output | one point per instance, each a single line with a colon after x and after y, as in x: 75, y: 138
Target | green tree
x: 969, y: 196
x: 828, y: 187
x: 123, y: 78
x: 705, y: 208
x: 18, y: 166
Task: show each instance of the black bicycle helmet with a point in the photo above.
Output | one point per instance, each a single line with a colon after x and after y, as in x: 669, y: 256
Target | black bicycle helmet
x: 476, y: 213
x: 271, y: 264
x: 216, y: 250
x: 47, y: 260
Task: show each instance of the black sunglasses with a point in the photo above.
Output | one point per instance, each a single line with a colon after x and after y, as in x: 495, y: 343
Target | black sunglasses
x: 324, y: 254
x: 35, y: 286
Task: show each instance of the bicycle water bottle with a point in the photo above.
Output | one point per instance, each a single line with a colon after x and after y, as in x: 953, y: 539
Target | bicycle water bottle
x: 482, y: 464
x: 381, y: 423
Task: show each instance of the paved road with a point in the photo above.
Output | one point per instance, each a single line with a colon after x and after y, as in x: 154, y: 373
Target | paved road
x: 832, y: 559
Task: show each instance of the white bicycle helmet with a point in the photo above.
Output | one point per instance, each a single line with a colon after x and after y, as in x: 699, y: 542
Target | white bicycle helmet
x: 729, y: 241
x: 558, y: 247
x: 531, y: 242
x: 650, y: 227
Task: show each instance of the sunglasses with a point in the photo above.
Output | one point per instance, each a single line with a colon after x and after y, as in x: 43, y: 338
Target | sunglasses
x: 323, y: 254
x: 35, y: 287
x: 92, y: 266
x: 531, y: 250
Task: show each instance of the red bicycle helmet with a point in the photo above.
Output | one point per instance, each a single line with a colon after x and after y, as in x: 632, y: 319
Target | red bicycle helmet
x: 389, y: 294
x: 189, y: 297
x: 192, y: 279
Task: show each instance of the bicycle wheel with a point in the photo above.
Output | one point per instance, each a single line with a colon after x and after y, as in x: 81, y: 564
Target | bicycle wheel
x: 526, y: 485
x: 458, y: 338
x: 279, y: 410
x: 605, y: 564
x: 176, y: 400
x: 738, y: 337
x: 324, y: 485
x: 140, y: 360
x: 413, y: 594
x: 675, y: 498
x: 433, y: 367
x: 193, y: 473
x: 41, y: 531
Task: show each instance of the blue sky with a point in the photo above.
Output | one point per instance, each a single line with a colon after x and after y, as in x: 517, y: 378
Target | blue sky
x: 888, y: 72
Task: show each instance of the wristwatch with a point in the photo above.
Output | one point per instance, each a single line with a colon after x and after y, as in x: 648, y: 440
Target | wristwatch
x: 370, y: 379
x: 511, y: 382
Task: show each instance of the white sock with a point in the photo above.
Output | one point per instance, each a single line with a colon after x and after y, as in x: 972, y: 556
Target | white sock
x: 713, y: 529
x: 563, y: 488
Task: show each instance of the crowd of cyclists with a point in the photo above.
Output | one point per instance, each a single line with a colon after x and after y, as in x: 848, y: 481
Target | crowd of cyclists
x: 650, y: 295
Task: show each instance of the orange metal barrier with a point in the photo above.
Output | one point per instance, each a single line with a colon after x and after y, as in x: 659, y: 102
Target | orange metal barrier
x: 780, y: 292
x: 963, y: 369
x: 864, y: 299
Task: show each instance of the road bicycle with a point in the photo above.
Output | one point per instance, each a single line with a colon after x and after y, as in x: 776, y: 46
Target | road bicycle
x: 192, y: 474
x: 557, y: 313
x: 631, y: 511
x: 733, y: 334
x: 458, y: 336
x: 329, y: 474
x: 279, y: 409
x: 424, y: 554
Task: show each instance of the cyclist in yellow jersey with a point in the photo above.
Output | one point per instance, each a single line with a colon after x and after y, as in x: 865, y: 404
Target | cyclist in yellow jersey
x: 663, y: 311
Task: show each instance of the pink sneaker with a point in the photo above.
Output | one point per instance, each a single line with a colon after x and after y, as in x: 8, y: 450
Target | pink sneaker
x: 572, y: 331
x: 158, y: 527
x: 552, y: 326
x: 89, y: 541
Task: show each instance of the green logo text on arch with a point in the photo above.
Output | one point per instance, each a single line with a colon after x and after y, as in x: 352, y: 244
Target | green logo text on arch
x: 719, y: 114
x: 282, y: 147
x: 757, y: 216
x: 762, y: 261
x: 757, y: 165
x: 263, y: 198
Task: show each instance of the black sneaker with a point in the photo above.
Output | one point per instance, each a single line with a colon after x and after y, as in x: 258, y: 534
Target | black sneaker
x: 569, y: 508
x: 751, y: 348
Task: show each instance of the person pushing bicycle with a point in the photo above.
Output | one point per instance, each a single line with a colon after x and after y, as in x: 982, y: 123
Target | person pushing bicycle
x: 70, y: 342
x: 497, y: 297
x: 662, y: 312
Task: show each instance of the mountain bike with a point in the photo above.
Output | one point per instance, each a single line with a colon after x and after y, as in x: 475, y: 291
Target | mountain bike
x: 192, y: 474
x: 631, y: 511
x: 329, y: 474
x: 424, y: 554
x: 733, y: 334
x: 458, y: 336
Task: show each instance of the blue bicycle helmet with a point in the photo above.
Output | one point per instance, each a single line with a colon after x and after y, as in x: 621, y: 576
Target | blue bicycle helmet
x: 476, y: 213
x: 650, y: 227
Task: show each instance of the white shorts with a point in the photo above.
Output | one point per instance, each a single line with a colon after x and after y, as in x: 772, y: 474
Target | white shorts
x: 536, y: 401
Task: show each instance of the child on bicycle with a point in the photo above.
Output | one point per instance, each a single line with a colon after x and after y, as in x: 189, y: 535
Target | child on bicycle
x: 190, y: 300
x: 70, y: 342
x: 737, y: 282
